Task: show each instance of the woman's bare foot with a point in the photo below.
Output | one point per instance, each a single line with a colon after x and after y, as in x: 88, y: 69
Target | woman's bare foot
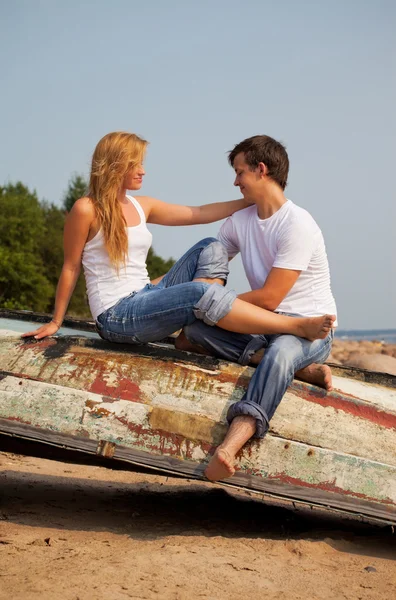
x: 314, y: 328
x: 220, y: 465
x: 316, y: 374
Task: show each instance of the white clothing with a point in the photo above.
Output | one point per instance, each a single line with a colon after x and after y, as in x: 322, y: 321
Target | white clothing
x: 289, y: 239
x: 105, y: 287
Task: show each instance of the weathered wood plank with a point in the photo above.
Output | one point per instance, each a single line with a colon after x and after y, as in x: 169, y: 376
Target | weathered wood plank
x: 156, y: 406
x: 28, y: 315
x: 182, y: 441
x: 170, y: 465
x: 87, y: 325
x: 358, y: 419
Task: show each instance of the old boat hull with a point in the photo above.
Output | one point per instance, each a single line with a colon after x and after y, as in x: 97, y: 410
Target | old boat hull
x: 158, y: 407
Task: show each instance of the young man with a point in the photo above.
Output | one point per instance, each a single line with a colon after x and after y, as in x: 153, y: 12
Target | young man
x: 285, y: 261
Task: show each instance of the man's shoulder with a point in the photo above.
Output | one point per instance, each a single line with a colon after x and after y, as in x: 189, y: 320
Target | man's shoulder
x: 241, y: 216
x: 240, y: 219
x: 298, y: 216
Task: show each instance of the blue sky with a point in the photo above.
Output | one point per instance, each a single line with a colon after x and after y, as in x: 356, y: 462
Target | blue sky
x: 195, y: 78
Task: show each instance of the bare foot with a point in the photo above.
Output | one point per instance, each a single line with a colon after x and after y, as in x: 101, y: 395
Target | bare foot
x: 220, y: 465
x: 316, y: 374
x: 257, y: 357
x: 182, y: 343
x: 316, y: 328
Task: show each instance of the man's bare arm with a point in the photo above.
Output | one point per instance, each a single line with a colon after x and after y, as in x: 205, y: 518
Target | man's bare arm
x: 276, y: 287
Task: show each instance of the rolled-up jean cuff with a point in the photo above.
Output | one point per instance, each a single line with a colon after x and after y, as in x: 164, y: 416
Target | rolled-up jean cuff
x: 250, y: 409
x: 213, y: 262
x: 215, y: 304
x: 255, y: 344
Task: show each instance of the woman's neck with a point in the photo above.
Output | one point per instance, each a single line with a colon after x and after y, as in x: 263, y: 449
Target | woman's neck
x: 122, y: 196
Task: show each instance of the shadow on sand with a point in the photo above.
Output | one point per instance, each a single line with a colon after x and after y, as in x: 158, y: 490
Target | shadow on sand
x: 157, y: 507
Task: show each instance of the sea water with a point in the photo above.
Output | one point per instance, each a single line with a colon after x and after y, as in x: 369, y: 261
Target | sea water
x: 382, y: 335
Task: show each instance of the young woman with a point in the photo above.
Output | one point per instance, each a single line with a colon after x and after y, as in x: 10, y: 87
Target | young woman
x: 106, y: 232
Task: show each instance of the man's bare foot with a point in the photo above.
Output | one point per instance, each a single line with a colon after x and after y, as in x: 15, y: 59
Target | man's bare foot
x: 316, y: 374
x: 220, y: 465
x: 257, y: 357
x: 182, y: 343
x: 314, y: 328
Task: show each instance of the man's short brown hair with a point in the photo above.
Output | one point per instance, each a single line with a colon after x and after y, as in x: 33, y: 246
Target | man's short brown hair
x: 264, y: 149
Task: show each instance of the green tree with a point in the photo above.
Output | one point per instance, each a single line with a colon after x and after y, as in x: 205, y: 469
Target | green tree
x: 156, y: 265
x: 51, y: 250
x: 23, y: 281
x: 77, y: 188
x: 31, y: 250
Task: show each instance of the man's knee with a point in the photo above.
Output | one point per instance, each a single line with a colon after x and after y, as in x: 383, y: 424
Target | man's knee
x: 283, y: 354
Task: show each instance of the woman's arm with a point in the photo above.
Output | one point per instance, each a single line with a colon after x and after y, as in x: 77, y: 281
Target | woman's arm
x: 76, y: 232
x: 162, y: 213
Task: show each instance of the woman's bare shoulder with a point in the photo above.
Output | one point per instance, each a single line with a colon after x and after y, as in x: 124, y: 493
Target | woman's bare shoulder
x: 143, y: 199
x: 146, y: 202
x: 84, y: 207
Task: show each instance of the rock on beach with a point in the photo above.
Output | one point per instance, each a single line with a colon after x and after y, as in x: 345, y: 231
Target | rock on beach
x: 364, y: 354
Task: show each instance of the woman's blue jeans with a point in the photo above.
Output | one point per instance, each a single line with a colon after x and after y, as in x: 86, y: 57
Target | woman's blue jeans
x: 158, y: 310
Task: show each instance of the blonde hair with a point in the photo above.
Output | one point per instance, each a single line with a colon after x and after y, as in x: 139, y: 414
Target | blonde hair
x: 113, y: 156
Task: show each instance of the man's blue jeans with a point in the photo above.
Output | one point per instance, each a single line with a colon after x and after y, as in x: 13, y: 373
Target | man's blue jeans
x: 283, y: 356
x: 158, y: 310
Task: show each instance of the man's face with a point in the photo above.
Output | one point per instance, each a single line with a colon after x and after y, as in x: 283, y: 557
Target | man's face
x: 248, y: 181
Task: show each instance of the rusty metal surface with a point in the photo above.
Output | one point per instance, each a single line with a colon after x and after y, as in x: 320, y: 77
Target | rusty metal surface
x: 158, y: 404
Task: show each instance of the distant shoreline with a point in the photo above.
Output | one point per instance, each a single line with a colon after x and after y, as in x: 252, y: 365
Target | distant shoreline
x: 383, y: 335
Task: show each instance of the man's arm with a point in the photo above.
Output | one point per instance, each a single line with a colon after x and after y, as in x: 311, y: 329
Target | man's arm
x: 295, y: 246
x: 276, y: 287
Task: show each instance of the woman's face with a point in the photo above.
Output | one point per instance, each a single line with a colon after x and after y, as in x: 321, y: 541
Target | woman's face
x: 134, y: 178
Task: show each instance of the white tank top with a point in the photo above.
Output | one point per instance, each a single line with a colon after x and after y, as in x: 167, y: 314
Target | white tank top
x: 104, y: 286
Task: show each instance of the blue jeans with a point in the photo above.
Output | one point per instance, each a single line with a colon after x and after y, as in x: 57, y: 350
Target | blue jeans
x: 158, y: 310
x: 283, y: 356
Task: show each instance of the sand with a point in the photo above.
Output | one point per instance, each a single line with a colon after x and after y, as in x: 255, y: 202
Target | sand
x: 76, y: 532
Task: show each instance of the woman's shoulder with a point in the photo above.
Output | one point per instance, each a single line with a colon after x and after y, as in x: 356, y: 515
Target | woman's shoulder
x: 142, y: 199
x: 145, y: 202
x: 84, y: 207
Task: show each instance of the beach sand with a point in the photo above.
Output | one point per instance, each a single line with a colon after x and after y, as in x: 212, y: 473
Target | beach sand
x: 76, y: 532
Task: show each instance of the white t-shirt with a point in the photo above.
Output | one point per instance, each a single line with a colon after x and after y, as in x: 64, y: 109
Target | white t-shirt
x: 289, y: 239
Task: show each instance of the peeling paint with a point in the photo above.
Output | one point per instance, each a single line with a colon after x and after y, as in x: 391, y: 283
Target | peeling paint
x: 192, y: 427
x: 340, y: 444
x: 350, y: 404
x: 124, y: 388
x: 327, y: 486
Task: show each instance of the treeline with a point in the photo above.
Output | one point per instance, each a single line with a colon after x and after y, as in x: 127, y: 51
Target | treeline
x: 31, y: 250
